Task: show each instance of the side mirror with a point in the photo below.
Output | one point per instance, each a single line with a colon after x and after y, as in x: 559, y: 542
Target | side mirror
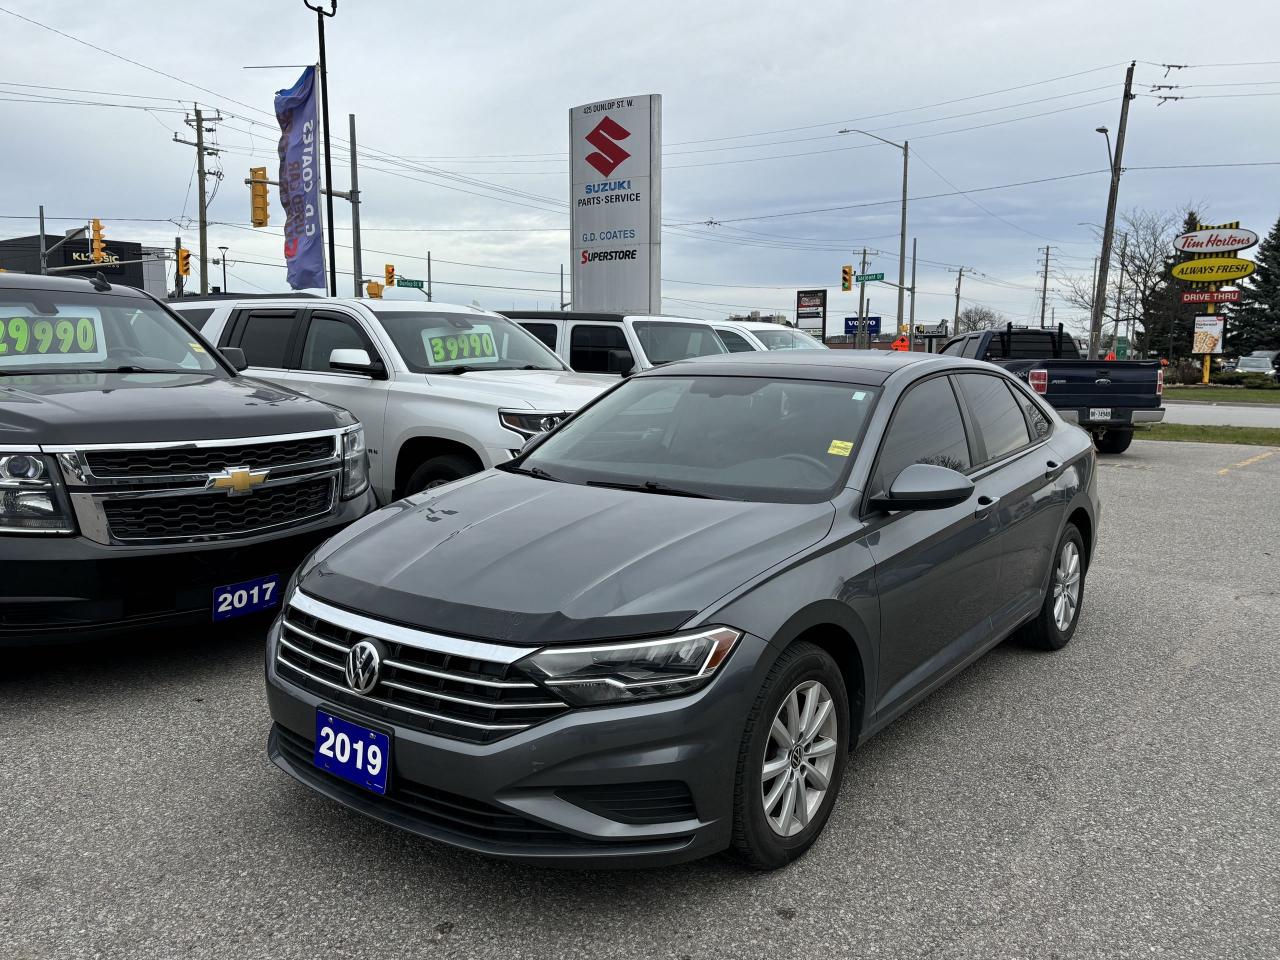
x: 355, y: 361
x: 923, y: 486
x: 621, y: 361
x: 234, y: 356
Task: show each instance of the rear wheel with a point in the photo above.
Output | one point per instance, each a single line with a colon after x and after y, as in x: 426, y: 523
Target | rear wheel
x: 791, y: 758
x: 1113, y: 441
x: 437, y: 471
x: 1055, y: 624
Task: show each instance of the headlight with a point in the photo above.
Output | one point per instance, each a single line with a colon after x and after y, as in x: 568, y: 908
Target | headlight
x: 31, y: 498
x: 622, y: 672
x: 355, y: 463
x: 530, y: 424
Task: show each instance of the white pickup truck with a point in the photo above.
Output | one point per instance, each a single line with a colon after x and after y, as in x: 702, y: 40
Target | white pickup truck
x: 443, y: 391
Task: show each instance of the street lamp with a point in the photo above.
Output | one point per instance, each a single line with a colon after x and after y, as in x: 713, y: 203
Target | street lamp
x: 1111, y: 163
x: 902, y: 239
x: 224, y: 267
x: 321, y: 13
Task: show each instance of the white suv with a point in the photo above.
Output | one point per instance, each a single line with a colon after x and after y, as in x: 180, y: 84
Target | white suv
x: 744, y: 336
x: 442, y: 390
x: 617, y: 343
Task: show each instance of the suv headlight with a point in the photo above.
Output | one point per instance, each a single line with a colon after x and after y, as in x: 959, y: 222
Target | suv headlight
x: 644, y: 670
x: 530, y: 424
x: 355, y: 463
x: 31, y: 497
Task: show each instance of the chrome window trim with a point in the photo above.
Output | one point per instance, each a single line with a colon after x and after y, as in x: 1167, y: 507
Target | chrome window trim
x: 194, y: 444
x: 420, y: 639
x: 19, y: 448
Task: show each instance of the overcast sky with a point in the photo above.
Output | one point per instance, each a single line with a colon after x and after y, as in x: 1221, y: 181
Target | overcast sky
x: 482, y: 90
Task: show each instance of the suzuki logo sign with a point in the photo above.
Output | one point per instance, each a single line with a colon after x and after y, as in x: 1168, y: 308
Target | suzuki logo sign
x: 604, y: 138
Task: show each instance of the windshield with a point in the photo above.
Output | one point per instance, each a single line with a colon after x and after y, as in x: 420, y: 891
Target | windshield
x: 433, y: 342
x: 43, y: 331
x: 665, y: 340
x: 784, y: 338
x: 1254, y: 363
x: 741, y: 438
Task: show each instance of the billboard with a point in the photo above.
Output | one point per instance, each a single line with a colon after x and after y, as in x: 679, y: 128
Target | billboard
x: 872, y: 324
x: 811, y: 310
x: 615, y: 204
x: 1208, y: 335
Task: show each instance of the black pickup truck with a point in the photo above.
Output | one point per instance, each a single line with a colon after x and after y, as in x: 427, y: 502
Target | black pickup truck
x: 1106, y: 397
x: 143, y: 480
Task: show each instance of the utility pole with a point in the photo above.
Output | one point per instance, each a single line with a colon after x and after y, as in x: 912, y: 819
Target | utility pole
x: 321, y: 13
x: 911, y: 324
x: 1044, y: 286
x: 428, y: 276
x: 1124, y: 245
x: 177, y: 273
x: 357, y: 267
x: 44, y: 254
x: 1109, y: 224
x: 859, y: 341
x: 955, y: 321
x: 902, y: 237
x: 201, y: 152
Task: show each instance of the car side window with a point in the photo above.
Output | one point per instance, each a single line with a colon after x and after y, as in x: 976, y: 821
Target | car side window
x: 953, y: 348
x: 598, y: 348
x: 926, y: 428
x: 1036, y: 418
x: 265, y: 336
x: 197, y: 317
x: 971, y: 347
x: 326, y: 333
x: 1001, y: 425
x: 736, y: 343
x: 546, y: 332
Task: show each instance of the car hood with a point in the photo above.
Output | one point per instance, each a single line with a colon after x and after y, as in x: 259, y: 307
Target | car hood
x: 550, y: 391
x: 140, y: 408
x: 510, y: 558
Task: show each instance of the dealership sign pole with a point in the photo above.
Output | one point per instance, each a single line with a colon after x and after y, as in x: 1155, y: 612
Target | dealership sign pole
x: 1209, y: 268
x: 615, y: 205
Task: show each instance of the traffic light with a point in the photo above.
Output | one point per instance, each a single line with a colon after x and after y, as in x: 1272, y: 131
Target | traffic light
x: 97, y: 244
x: 389, y: 271
x: 374, y: 289
x: 846, y: 277
x: 258, y: 203
x: 184, y: 262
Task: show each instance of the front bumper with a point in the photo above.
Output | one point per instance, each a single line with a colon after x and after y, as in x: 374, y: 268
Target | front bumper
x: 69, y: 588
x: 529, y: 796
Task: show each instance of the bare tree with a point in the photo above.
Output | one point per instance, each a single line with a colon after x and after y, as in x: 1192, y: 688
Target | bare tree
x: 978, y: 317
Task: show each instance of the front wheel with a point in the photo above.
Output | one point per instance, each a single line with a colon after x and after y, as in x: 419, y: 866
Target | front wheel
x: 791, y: 758
x: 437, y: 471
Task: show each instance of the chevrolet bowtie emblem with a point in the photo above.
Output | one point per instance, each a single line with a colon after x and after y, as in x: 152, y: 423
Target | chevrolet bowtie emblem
x: 236, y: 480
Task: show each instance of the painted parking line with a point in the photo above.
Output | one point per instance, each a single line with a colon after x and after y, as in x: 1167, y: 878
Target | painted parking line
x: 1248, y: 463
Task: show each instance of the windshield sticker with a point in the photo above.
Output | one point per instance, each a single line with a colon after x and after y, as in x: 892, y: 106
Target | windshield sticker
x: 475, y: 345
x: 840, y: 448
x: 195, y: 347
x: 860, y: 395
x: 57, y: 338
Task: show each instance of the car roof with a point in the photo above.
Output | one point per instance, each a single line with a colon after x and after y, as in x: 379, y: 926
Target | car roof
x: 590, y: 315
x: 872, y: 367
x: 754, y: 325
x: 312, y: 300
x: 65, y: 284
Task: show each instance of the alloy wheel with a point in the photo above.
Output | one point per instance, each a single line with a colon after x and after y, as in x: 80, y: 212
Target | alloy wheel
x: 1066, y: 586
x: 799, y: 757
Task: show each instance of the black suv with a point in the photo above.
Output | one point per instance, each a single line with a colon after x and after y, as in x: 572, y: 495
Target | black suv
x: 142, y: 479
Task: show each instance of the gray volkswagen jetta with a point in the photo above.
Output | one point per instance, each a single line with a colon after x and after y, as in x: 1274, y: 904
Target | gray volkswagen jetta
x: 658, y: 632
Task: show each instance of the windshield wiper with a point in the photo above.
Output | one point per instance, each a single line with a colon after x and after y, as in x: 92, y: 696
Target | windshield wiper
x: 530, y: 471
x: 652, y: 486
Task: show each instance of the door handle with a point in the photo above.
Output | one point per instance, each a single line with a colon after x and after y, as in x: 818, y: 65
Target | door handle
x: 985, y: 505
x: 1051, y: 469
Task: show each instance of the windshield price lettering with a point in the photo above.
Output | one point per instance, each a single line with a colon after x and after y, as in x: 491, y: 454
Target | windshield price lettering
x: 476, y: 344
x: 21, y: 336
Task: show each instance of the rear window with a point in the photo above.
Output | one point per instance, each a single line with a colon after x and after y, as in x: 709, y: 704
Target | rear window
x: 664, y: 341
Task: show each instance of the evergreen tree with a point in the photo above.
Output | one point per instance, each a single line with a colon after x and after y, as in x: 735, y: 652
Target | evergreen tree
x: 1254, y: 323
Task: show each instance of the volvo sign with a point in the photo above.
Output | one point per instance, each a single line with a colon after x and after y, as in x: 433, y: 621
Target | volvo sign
x: 615, y: 197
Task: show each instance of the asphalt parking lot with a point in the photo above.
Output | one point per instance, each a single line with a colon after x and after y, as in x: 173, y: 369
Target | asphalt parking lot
x: 1120, y: 798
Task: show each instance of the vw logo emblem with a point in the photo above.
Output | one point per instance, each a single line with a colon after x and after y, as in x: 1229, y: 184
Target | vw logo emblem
x: 364, y: 662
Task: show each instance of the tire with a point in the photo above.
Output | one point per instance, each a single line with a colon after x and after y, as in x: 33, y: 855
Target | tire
x: 1045, y: 632
x: 1113, y: 441
x: 438, y: 470
x: 807, y: 670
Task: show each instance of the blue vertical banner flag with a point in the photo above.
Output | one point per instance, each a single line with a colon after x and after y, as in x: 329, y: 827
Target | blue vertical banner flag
x: 296, y: 110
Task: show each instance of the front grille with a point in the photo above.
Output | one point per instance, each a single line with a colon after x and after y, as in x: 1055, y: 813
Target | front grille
x: 450, y: 813
x: 218, y: 514
x: 111, y: 464
x: 434, y: 691
x: 665, y: 801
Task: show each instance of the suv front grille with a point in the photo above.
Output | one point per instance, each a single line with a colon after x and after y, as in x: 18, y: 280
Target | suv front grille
x: 112, y: 464
x: 420, y: 688
x: 218, y: 515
